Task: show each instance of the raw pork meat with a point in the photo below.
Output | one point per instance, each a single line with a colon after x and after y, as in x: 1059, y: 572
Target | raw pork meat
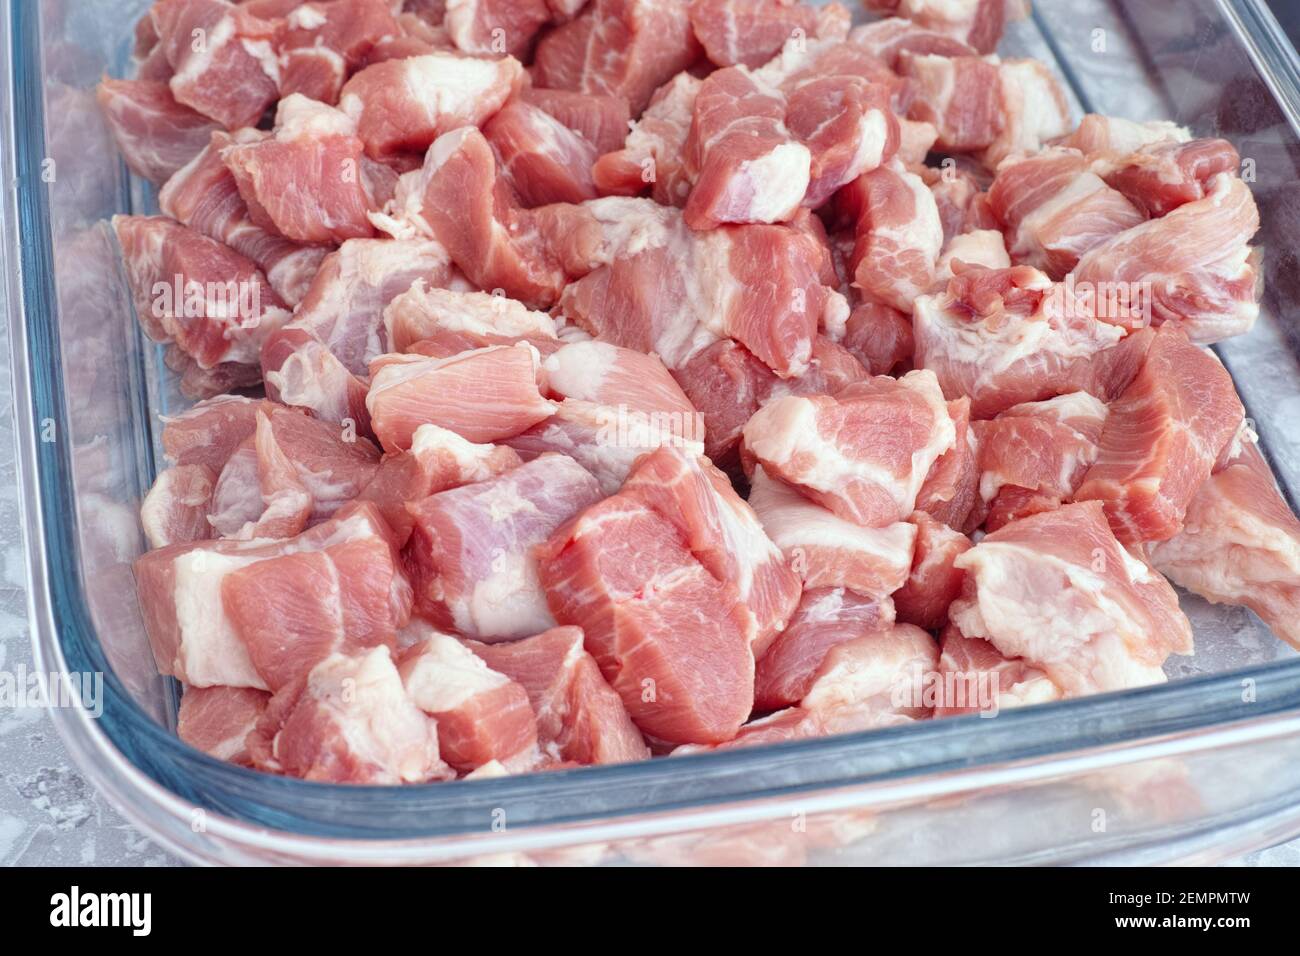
x: 826, y: 616
x: 157, y: 135
x: 653, y: 154
x: 425, y: 314
x: 624, y: 48
x: 189, y: 289
x: 1058, y: 590
x: 973, y: 677
x: 306, y: 181
x: 175, y: 511
x: 482, y: 715
x: 222, y: 57
x: 1192, y: 267
x: 826, y: 551
x: 1007, y: 336
x: 1162, y: 438
x: 600, y: 120
x: 218, y: 720
x: 1055, y: 209
x: 978, y: 23
x: 406, y: 104
x: 934, y: 580
x: 580, y: 718
x: 320, y: 43
x: 483, y: 395
x: 1240, y: 544
x: 493, y: 27
x: 751, y: 32
x: 542, y: 159
x: 204, y: 196
x: 471, y: 555
x: 350, y: 721
x: 949, y: 491
x: 863, y: 453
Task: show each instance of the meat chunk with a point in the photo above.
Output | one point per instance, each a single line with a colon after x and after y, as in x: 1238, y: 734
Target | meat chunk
x: 973, y: 677
x: 751, y: 32
x: 600, y: 120
x: 1003, y: 337
x: 189, y: 289
x: 406, y: 104
x: 1162, y: 438
x: 425, y: 313
x: 484, y: 395
x: 542, y: 159
x: 204, y: 196
x: 826, y: 617
x: 863, y: 453
x: 827, y: 551
x: 652, y: 155
x: 222, y: 58
x: 580, y: 718
x: 951, y: 488
x: 1056, y: 209
x: 1192, y: 267
x: 351, y: 721
x: 156, y: 134
x: 626, y: 48
x: 218, y: 720
x: 321, y: 43
x: 175, y: 511
x: 306, y: 181
x: 978, y: 23
x: 482, y: 714
x: 1059, y: 591
x: 934, y: 581
x: 1161, y: 176
x: 1240, y: 544
x: 495, y: 26
x: 471, y: 555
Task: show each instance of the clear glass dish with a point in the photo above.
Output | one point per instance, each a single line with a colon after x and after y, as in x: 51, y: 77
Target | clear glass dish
x: 1205, y: 766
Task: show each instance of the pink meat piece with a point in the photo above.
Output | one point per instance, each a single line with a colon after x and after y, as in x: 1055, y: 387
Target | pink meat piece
x: 218, y: 720
x: 878, y: 336
x: 625, y: 48
x: 615, y: 406
x: 949, y: 491
x: 222, y: 56
x: 292, y: 453
x: 1034, y: 456
x: 483, y: 396
x: 212, y: 302
x: 1192, y: 267
x: 191, y: 626
x: 344, y: 305
x: 600, y: 120
x: 320, y: 44
x: 887, y: 39
x: 652, y: 155
x: 1007, y: 336
x: 1159, y: 177
x: 424, y: 312
x: 1110, y: 139
x: 875, y: 680
x: 175, y: 511
x: 471, y: 555
x: 208, y: 433
x: 482, y: 714
x: 974, y: 677
x: 350, y: 721
x: 204, y: 196
x: 305, y: 181
x: 661, y: 287
x: 156, y: 134
x: 439, y: 460
x: 1058, y: 590
x: 897, y: 235
x: 1162, y: 438
x: 493, y: 27
x: 406, y: 104
x: 751, y: 32
x: 306, y: 374
x: 542, y: 159
x: 958, y: 95
x: 978, y: 23
x: 863, y: 453
x: 722, y: 532
x: 1240, y: 544
x: 825, y: 618
x: 962, y: 201
x: 580, y: 718
x: 933, y: 581
x: 458, y: 199
x: 294, y: 611
x: 1033, y: 108
x: 670, y: 638
x: 826, y: 551
x: 1054, y: 209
